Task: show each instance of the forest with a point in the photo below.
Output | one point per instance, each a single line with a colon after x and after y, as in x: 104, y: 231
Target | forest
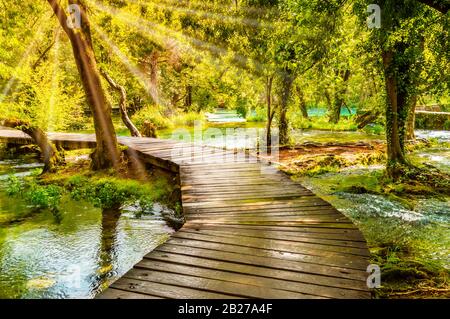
x: 352, y: 96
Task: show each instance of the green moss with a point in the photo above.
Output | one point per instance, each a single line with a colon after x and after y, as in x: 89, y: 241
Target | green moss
x: 321, y: 164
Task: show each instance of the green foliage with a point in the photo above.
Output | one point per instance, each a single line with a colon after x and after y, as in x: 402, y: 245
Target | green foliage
x: 110, y: 192
x: 42, y: 197
x: 257, y: 115
x: 14, y: 185
x: 37, y: 195
x: 187, y: 119
x: 376, y: 129
x: 322, y: 123
x: 447, y: 125
x: 146, y: 203
x: 152, y: 115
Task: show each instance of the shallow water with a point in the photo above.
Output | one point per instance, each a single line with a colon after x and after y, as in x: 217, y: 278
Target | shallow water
x: 385, y: 221
x: 41, y: 257
x: 438, y: 156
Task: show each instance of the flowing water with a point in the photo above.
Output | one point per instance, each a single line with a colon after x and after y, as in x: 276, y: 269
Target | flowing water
x: 75, y: 256
x: 384, y: 220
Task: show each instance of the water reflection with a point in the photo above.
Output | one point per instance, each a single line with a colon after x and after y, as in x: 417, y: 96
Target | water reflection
x: 73, y: 258
x: 109, y: 247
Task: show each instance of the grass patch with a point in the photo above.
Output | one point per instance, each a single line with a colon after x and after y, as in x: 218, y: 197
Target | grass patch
x: 103, y: 189
x: 187, y: 119
x: 322, y: 123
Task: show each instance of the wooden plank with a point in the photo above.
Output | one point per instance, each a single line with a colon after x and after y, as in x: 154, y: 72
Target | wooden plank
x: 298, y: 232
x: 346, y: 232
x: 213, y: 285
x: 308, y: 248
x: 248, y: 269
x: 300, y: 237
x: 306, y: 258
x: 113, y: 293
x: 165, y: 291
x: 249, y: 279
x: 326, y: 276
x: 279, y: 236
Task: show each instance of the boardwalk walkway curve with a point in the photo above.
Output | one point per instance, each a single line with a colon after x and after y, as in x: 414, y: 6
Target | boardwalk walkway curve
x: 250, y: 231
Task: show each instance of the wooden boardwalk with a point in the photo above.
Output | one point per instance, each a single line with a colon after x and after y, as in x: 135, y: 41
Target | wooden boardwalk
x: 250, y: 232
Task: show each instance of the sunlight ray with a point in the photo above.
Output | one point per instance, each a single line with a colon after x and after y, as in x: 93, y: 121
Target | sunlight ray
x: 189, y: 43
x: 28, y: 51
x: 209, y: 15
x: 229, y: 10
x: 54, y: 83
x: 138, y: 74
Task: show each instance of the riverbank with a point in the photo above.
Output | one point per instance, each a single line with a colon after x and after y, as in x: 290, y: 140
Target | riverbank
x: 70, y: 234
x: 406, y: 225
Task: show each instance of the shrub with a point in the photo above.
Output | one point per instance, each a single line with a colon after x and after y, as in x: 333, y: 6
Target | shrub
x: 42, y: 197
x: 447, y: 125
x: 374, y: 129
x: 187, y: 119
x: 152, y: 115
x: 257, y: 115
x: 13, y: 186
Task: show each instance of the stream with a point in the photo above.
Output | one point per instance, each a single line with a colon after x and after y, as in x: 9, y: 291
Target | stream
x: 73, y: 258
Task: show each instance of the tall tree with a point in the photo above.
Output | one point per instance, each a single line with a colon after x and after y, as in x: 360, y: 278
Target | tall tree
x: 399, y: 43
x: 106, y: 154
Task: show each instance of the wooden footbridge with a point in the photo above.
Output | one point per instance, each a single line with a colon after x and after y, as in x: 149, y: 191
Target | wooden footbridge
x: 250, y: 231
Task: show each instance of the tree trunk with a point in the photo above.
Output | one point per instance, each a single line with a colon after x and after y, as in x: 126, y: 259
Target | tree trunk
x: 50, y: 155
x: 122, y: 104
x: 395, y: 113
x: 339, y: 98
x: 410, y: 135
x: 188, y: 98
x: 270, y: 112
x: 366, y: 118
x: 106, y: 154
x: 154, y: 75
x: 283, y: 125
x: 303, y: 108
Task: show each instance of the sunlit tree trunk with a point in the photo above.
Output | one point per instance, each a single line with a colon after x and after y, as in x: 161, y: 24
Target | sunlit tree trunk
x: 283, y: 125
x: 188, y: 98
x: 122, y: 104
x: 106, y: 154
x: 154, y: 69
x: 411, y: 124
